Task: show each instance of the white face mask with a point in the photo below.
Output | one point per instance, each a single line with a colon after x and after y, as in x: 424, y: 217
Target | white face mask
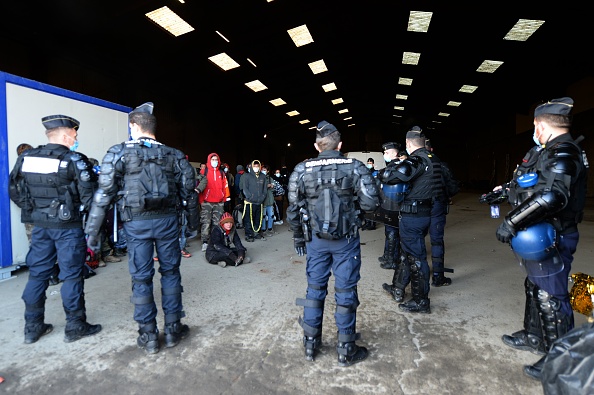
x: 226, y: 170
x: 263, y: 171
x: 255, y: 169
x: 536, y: 140
x: 135, y: 132
x: 214, y: 163
x: 277, y: 174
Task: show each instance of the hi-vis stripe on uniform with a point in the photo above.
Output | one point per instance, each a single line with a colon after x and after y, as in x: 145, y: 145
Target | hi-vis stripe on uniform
x: 33, y: 164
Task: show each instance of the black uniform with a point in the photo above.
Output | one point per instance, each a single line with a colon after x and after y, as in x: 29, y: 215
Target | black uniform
x: 54, y: 187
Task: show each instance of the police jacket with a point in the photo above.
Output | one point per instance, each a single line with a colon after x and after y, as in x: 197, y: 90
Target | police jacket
x: 356, y: 188
x: 422, y: 170
x: 560, y: 191
x: 53, y: 186
x: 146, y: 180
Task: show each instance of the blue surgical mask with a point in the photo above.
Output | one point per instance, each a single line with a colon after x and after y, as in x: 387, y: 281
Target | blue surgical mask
x: 74, y: 147
x: 536, y: 141
x: 214, y: 163
x: 263, y: 172
x: 369, y: 165
x: 387, y: 158
x: 277, y: 174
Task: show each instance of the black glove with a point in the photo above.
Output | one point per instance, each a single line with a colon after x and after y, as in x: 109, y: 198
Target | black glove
x: 94, y: 243
x: 505, y: 232
x: 299, y: 242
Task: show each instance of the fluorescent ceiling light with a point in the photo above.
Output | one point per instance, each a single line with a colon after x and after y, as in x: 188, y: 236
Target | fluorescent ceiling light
x: 313, y: 127
x: 169, y: 21
x: 329, y: 87
x: 224, y: 61
x: 337, y: 101
x: 277, y: 102
x: 304, y: 121
x: 352, y: 124
x: 253, y: 64
x: 256, y: 86
x: 347, y: 118
x: 397, y: 116
x: 443, y: 114
x: 292, y: 113
x: 523, y: 29
x: 418, y: 21
x: 405, y: 81
x: 468, y: 88
x: 402, y: 97
x: 318, y: 66
x: 300, y: 35
x: 410, y: 58
x: 398, y: 108
x: 223, y: 37
x: 343, y: 111
x: 436, y: 121
x: 454, y: 103
x: 489, y: 66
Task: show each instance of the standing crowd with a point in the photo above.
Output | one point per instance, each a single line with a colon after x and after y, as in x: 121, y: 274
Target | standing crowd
x: 150, y: 195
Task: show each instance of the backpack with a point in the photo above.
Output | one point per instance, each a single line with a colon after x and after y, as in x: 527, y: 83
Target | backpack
x: 452, y: 186
x: 329, y: 216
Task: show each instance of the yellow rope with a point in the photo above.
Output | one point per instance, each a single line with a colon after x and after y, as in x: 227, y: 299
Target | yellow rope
x: 252, y: 215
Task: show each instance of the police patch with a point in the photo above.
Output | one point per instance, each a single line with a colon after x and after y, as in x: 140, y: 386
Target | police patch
x: 332, y: 161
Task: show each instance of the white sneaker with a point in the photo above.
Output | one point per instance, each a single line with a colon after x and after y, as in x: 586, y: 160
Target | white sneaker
x: 204, y: 245
x: 222, y: 264
x: 247, y: 259
x: 278, y: 222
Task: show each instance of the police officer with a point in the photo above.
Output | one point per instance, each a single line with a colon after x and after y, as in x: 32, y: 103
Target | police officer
x: 54, y: 185
x: 391, y: 197
x: 326, y: 196
x: 420, y: 170
x: 153, y: 180
x: 439, y: 212
x: 558, y: 199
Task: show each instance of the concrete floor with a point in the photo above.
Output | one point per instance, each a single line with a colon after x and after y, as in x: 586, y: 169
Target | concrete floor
x: 245, y: 338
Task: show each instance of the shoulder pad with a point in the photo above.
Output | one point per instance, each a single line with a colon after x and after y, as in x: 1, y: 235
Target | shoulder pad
x: 116, y: 148
x: 300, y: 167
x: 406, y: 166
x: 75, y: 156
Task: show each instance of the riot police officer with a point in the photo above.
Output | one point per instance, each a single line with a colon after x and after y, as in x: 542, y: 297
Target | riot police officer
x: 326, y: 197
x: 557, y: 168
x: 422, y: 171
x: 151, y: 181
x: 54, y: 185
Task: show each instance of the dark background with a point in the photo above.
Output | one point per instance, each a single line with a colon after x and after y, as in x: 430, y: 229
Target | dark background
x: 110, y: 50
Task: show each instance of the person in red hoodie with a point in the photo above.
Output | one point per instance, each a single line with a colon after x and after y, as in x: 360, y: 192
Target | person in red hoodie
x: 213, y: 197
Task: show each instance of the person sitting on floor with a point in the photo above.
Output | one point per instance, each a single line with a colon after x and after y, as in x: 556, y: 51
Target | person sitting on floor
x: 224, y: 245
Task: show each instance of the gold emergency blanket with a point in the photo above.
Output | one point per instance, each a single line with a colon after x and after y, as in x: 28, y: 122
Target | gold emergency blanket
x: 580, y: 295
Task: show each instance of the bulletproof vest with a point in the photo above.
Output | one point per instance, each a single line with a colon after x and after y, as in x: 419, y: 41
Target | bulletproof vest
x: 425, y: 186
x: 329, y: 195
x: 149, y: 180
x: 52, y: 191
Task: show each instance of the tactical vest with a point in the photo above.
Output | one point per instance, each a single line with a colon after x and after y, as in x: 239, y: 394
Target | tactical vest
x: 53, y: 192
x: 149, y: 188
x: 331, y: 204
x: 426, y: 186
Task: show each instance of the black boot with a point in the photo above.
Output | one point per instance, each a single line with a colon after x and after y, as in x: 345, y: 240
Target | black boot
x: 535, y: 371
x: 149, y: 337
x: 349, y: 353
x: 420, y: 302
x: 399, y: 280
x: 439, y: 280
x: 78, y: 329
x: 530, y: 338
x: 312, y: 346
x: 174, y: 332
x: 396, y: 293
x: 34, y: 330
x: 390, y: 252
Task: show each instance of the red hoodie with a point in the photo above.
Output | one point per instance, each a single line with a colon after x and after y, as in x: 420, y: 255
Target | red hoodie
x: 217, y: 187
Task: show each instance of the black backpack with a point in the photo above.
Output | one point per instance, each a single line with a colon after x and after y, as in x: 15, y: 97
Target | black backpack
x: 329, y: 216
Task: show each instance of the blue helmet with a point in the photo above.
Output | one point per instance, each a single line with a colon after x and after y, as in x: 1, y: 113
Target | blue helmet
x: 535, y: 243
x: 396, y: 192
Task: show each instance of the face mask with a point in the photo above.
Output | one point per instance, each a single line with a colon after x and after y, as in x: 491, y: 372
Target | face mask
x: 277, y: 174
x: 256, y: 169
x: 75, y: 146
x: 536, y: 141
x: 407, y: 151
x: 387, y: 158
x: 369, y: 166
x: 226, y: 170
x: 214, y: 163
x: 263, y: 171
x: 135, y: 133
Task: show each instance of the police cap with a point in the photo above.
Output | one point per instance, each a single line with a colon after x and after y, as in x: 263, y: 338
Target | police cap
x: 391, y: 145
x: 324, y: 129
x: 59, y: 121
x: 146, y: 107
x: 561, y: 106
x: 415, y: 132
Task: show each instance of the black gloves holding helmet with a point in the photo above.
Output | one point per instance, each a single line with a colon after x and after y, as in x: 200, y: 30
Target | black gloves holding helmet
x: 505, y: 232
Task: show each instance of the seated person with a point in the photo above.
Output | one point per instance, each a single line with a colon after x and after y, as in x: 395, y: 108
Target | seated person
x: 224, y: 245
